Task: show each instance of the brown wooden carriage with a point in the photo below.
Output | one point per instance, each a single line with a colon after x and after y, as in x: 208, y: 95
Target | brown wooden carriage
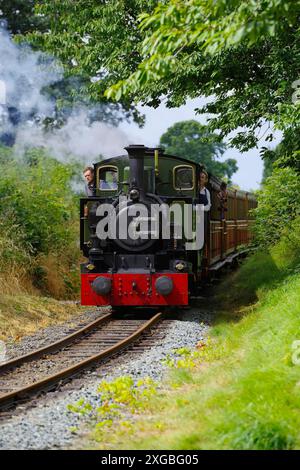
x: 228, y: 236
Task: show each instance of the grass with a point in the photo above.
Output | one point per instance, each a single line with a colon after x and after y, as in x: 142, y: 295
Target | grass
x: 31, y: 298
x: 24, y: 314
x: 23, y: 307
x: 244, y: 392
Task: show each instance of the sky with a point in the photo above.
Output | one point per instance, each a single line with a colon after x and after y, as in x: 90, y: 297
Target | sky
x: 158, y: 120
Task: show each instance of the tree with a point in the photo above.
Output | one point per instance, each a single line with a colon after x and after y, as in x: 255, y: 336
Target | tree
x: 268, y: 168
x: 22, y: 19
x: 244, y: 53
x: 96, y: 40
x: 287, y: 153
x: 191, y: 140
x: 278, y: 205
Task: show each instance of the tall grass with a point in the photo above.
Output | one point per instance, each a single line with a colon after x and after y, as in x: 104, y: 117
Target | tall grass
x: 15, y: 259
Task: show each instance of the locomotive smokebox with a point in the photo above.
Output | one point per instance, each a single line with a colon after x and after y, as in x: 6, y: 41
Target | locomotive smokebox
x: 136, y: 163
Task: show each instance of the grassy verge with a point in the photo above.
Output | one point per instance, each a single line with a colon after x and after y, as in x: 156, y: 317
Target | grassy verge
x: 244, y: 389
x: 23, y: 314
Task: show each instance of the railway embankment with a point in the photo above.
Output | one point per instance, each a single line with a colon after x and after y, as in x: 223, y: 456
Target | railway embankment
x: 239, y: 390
x: 23, y: 314
x: 39, y: 256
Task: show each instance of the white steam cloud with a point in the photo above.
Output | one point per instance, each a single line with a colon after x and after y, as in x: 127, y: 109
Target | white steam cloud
x: 23, y: 76
x: 76, y: 138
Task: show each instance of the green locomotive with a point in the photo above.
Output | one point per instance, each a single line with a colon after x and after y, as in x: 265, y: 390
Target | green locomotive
x: 139, y: 232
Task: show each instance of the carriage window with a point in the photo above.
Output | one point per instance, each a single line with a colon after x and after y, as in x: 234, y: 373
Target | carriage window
x: 108, y: 178
x: 184, y: 177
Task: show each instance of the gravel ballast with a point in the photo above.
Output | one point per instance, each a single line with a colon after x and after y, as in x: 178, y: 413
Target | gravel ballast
x: 53, y: 333
x: 49, y: 425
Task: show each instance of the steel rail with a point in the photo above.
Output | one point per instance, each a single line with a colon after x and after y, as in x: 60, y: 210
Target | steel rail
x: 48, y: 382
x: 57, y: 345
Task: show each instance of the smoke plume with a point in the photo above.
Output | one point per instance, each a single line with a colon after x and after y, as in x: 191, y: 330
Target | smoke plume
x: 25, y: 75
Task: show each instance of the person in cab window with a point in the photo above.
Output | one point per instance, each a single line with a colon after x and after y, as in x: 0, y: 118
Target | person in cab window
x: 104, y: 185
x: 204, y: 194
x: 89, y: 177
x: 109, y: 181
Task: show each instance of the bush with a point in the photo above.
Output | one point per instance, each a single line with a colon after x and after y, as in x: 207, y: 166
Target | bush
x: 14, y: 251
x: 278, y: 205
x: 39, y: 222
x: 39, y: 198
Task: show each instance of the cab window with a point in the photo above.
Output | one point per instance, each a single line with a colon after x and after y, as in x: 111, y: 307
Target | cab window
x: 184, y: 177
x: 108, y: 178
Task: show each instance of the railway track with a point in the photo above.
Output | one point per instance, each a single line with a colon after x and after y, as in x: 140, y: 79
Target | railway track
x: 45, y: 368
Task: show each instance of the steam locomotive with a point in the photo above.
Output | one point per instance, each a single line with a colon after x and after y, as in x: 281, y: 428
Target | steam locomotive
x: 139, y: 240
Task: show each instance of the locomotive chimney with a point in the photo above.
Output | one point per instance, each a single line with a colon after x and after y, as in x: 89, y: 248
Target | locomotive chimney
x: 136, y: 163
